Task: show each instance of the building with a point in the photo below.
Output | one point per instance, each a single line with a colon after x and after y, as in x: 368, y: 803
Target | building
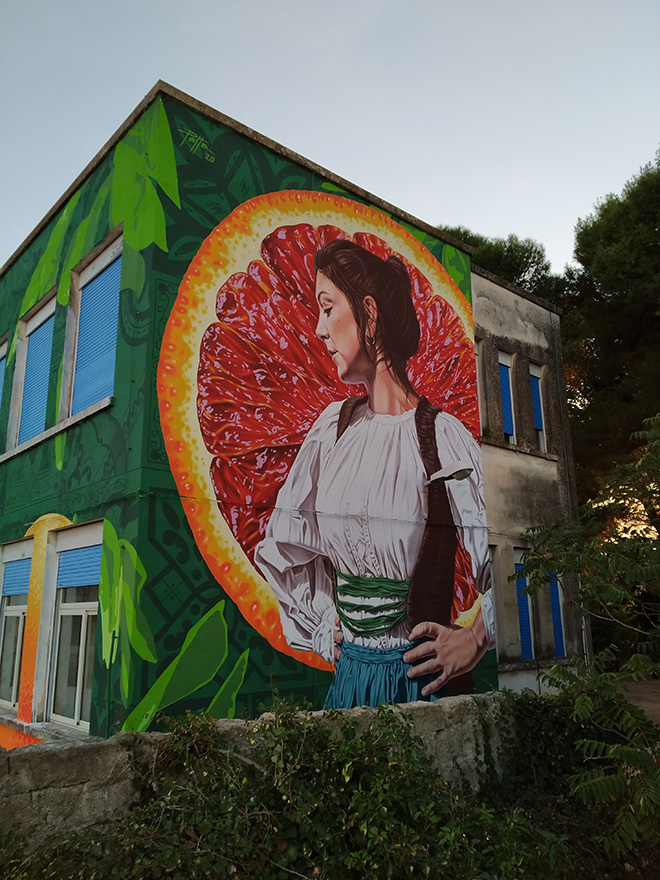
x: 112, y: 552
x: 528, y: 471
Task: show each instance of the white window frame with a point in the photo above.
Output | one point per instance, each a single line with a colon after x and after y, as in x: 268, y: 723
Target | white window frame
x: 12, y: 553
x: 30, y: 322
x: 505, y: 359
x: 72, y: 538
x: 536, y: 371
x: 95, y: 262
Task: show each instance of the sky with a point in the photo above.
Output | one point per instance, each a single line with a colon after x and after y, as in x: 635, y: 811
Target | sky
x: 505, y: 116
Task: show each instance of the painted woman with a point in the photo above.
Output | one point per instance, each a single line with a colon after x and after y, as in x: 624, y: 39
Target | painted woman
x: 360, y: 548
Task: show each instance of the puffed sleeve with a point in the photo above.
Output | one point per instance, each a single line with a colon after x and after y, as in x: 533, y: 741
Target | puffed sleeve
x: 459, y: 452
x: 291, y: 556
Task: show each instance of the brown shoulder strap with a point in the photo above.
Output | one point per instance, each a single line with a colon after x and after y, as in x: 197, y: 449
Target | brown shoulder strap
x: 346, y: 413
x: 431, y: 594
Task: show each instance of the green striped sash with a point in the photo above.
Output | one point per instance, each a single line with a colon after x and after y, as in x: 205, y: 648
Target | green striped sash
x: 381, y: 617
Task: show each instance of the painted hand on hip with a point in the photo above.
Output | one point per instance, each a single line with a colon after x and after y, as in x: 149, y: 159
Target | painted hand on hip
x: 450, y: 651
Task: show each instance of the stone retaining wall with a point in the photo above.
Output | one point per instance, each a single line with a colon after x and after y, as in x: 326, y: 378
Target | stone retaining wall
x: 51, y: 789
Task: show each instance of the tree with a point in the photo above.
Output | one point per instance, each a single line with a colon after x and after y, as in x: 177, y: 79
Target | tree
x: 614, y: 549
x: 611, y: 318
x: 611, y: 327
x: 522, y: 261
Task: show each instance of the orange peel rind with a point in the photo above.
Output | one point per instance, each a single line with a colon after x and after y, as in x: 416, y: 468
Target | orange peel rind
x: 230, y: 247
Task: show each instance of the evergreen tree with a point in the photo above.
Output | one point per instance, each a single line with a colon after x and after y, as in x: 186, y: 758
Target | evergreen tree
x: 521, y: 261
x: 611, y: 327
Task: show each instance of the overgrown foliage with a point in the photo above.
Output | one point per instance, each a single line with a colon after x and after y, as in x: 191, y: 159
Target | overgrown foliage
x: 621, y: 749
x: 316, y: 800
x: 614, y: 551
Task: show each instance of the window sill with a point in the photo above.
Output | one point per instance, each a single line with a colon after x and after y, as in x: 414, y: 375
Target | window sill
x: 46, y: 731
x: 524, y: 450
x: 56, y: 429
x: 535, y: 664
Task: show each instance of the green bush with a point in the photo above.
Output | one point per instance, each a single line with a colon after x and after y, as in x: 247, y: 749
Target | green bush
x: 337, y: 800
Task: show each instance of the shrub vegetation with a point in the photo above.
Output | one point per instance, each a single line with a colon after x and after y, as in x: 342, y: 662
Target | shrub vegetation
x: 318, y: 800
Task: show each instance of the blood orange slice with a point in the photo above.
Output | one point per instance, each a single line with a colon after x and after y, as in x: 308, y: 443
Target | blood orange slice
x: 242, y: 377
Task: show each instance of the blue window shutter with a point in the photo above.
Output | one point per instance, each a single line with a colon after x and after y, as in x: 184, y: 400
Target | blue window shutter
x: 3, y: 364
x: 536, y: 402
x: 94, y: 374
x: 557, y: 626
x: 80, y: 567
x: 523, y: 616
x: 505, y: 391
x: 35, y: 384
x: 17, y: 577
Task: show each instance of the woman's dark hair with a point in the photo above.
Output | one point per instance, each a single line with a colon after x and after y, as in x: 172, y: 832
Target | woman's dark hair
x: 359, y: 273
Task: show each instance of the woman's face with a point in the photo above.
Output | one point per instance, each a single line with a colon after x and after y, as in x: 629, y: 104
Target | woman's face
x: 338, y: 331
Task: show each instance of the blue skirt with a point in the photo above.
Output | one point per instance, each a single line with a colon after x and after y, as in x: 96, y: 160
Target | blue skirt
x: 369, y: 676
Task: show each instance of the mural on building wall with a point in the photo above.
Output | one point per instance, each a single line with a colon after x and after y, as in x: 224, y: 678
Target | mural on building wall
x: 317, y: 532
x: 186, y: 620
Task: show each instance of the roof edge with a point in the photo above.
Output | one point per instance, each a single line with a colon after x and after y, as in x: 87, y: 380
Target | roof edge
x: 514, y: 288
x: 91, y: 166
x: 162, y: 88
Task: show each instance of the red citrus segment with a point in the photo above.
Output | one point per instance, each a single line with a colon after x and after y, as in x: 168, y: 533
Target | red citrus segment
x: 264, y: 377
x: 240, y: 385
x: 465, y: 588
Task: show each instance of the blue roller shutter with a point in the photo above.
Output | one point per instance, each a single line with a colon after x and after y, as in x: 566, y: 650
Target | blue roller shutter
x: 35, y: 385
x: 557, y: 625
x: 80, y: 567
x: 536, y: 402
x: 505, y: 392
x: 16, y: 580
x: 94, y: 373
x: 524, y: 616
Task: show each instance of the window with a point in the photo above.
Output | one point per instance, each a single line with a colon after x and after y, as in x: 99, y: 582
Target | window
x: 537, y: 406
x: 505, y: 393
x: 95, y: 297
x: 557, y: 621
x: 13, y: 608
x: 525, y: 617
x: 33, y: 373
x: 524, y: 611
x: 76, y: 611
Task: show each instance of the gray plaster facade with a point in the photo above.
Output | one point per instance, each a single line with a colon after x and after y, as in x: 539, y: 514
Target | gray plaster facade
x: 529, y: 479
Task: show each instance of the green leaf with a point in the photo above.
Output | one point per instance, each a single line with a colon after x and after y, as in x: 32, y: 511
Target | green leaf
x: 133, y: 270
x: 223, y: 705
x: 108, y: 590
x: 46, y: 272
x: 160, y: 152
x: 144, y: 155
x: 203, y: 652
x: 45, y: 275
x: 458, y: 265
x: 85, y: 239
x: 133, y: 577
x: 74, y: 254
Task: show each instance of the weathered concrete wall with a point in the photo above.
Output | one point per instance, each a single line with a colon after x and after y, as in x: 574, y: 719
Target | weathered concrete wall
x: 49, y: 790
x: 525, y: 485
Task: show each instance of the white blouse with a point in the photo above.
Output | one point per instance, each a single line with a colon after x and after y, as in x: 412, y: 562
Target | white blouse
x: 358, y: 505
